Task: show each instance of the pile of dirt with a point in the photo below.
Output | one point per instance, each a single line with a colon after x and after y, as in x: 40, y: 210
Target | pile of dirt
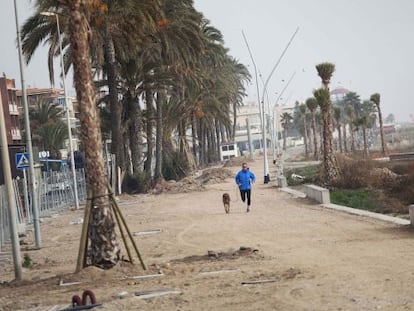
x: 212, y: 255
x: 187, y: 184
x: 214, y: 175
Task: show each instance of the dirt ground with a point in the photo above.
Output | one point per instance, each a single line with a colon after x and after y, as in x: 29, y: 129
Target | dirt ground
x: 286, y: 254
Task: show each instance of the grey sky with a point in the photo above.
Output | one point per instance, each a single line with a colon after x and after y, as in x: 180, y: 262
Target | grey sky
x: 369, y: 41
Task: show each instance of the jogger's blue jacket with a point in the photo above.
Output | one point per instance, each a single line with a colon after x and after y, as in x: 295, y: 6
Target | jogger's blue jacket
x: 244, y: 179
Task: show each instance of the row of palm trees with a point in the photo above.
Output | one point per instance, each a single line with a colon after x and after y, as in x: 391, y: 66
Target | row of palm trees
x: 308, y: 116
x: 168, y: 77
x: 318, y: 117
x: 166, y: 71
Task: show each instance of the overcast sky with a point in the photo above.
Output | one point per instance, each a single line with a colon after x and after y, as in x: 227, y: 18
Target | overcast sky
x: 371, y: 43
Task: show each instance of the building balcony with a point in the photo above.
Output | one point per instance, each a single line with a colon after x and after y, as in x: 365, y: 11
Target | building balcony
x: 13, y: 110
x: 16, y: 134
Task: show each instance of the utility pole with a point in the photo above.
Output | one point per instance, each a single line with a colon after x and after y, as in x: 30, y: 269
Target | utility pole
x: 11, y: 199
x: 33, y: 182
x: 249, y: 137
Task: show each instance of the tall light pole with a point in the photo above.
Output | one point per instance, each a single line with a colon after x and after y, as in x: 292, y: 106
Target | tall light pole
x: 62, y: 66
x: 273, y: 114
x: 261, y: 102
x: 33, y: 182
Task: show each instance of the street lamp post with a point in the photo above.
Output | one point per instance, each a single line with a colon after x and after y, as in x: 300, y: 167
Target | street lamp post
x: 33, y: 182
x: 62, y: 65
x: 266, y: 165
x: 275, y: 120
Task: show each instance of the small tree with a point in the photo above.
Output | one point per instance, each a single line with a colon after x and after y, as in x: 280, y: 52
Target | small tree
x: 331, y: 169
x: 312, y: 105
x: 376, y: 98
x: 285, y: 119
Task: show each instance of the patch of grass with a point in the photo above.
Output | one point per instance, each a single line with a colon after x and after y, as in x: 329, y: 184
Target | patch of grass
x: 356, y: 198
x: 310, y: 174
x: 27, y: 261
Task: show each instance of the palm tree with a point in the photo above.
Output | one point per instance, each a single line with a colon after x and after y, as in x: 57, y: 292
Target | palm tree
x: 312, y: 105
x: 354, y: 100
x: 362, y: 122
x: 51, y: 136
x: 285, y: 120
x: 325, y: 71
x: 104, y: 246
x: 376, y: 98
x: 49, y: 131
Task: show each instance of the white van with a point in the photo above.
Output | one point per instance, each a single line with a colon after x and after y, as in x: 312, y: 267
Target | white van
x: 228, y: 151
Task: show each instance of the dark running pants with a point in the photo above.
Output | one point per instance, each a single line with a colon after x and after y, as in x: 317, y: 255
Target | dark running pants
x: 243, y: 194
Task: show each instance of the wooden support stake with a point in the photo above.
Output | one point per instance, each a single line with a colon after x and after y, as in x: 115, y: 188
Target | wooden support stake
x: 121, y: 230
x: 115, y: 204
x: 83, y: 245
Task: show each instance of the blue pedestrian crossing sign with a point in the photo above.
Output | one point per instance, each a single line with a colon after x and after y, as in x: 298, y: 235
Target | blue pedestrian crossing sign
x: 22, y: 160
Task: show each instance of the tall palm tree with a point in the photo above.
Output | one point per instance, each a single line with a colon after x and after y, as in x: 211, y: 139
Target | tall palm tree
x: 49, y: 131
x: 104, y: 245
x: 362, y: 123
x: 285, y: 120
x: 354, y: 100
x: 331, y: 169
x: 376, y: 98
x: 312, y: 105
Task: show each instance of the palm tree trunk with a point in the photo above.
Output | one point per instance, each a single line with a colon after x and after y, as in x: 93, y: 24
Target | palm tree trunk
x: 315, y: 140
x: 135, y: 135
x: 200, y: 134
x: 104, y: 246
x: 223, y: 133
x: 159, y: 136
x: 364, y: 133
x: 381, y: 129
x: 330, y: 165
x: 233, y: 132
x: 115, y: 107
x: 351, y: 131
x: 194, y: 137
x: 338, y: 128
x: 149, y: 97
x: 345, y: 139
x: 218, y: 140
x: 305, y: 136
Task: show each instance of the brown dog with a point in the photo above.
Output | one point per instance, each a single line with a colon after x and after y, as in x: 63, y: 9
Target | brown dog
x: 226, y: 202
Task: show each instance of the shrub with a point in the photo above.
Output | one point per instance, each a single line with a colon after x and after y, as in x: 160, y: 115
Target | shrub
x: 27, y: 261
x: 354, y: 173
x: 174, y: 166
x: 136, y: 183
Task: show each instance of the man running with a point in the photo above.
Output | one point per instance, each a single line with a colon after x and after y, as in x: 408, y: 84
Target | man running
x: 244, y: 179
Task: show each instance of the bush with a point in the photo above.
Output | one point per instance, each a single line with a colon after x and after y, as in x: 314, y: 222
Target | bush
x: 355, y: 174
x: 27, y: 261
x: 174, y: 166
x: 136, y: 183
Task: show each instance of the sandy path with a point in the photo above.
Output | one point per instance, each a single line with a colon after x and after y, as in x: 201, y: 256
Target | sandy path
x: 317, y: 259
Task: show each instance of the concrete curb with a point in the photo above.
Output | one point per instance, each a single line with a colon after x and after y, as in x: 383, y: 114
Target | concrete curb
x: 353, y: 211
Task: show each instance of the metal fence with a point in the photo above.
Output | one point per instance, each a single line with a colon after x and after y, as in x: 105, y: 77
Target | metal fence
x: 55, y: 192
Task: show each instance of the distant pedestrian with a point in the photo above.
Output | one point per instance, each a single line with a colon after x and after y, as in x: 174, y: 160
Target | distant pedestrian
x: 244, y: 180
